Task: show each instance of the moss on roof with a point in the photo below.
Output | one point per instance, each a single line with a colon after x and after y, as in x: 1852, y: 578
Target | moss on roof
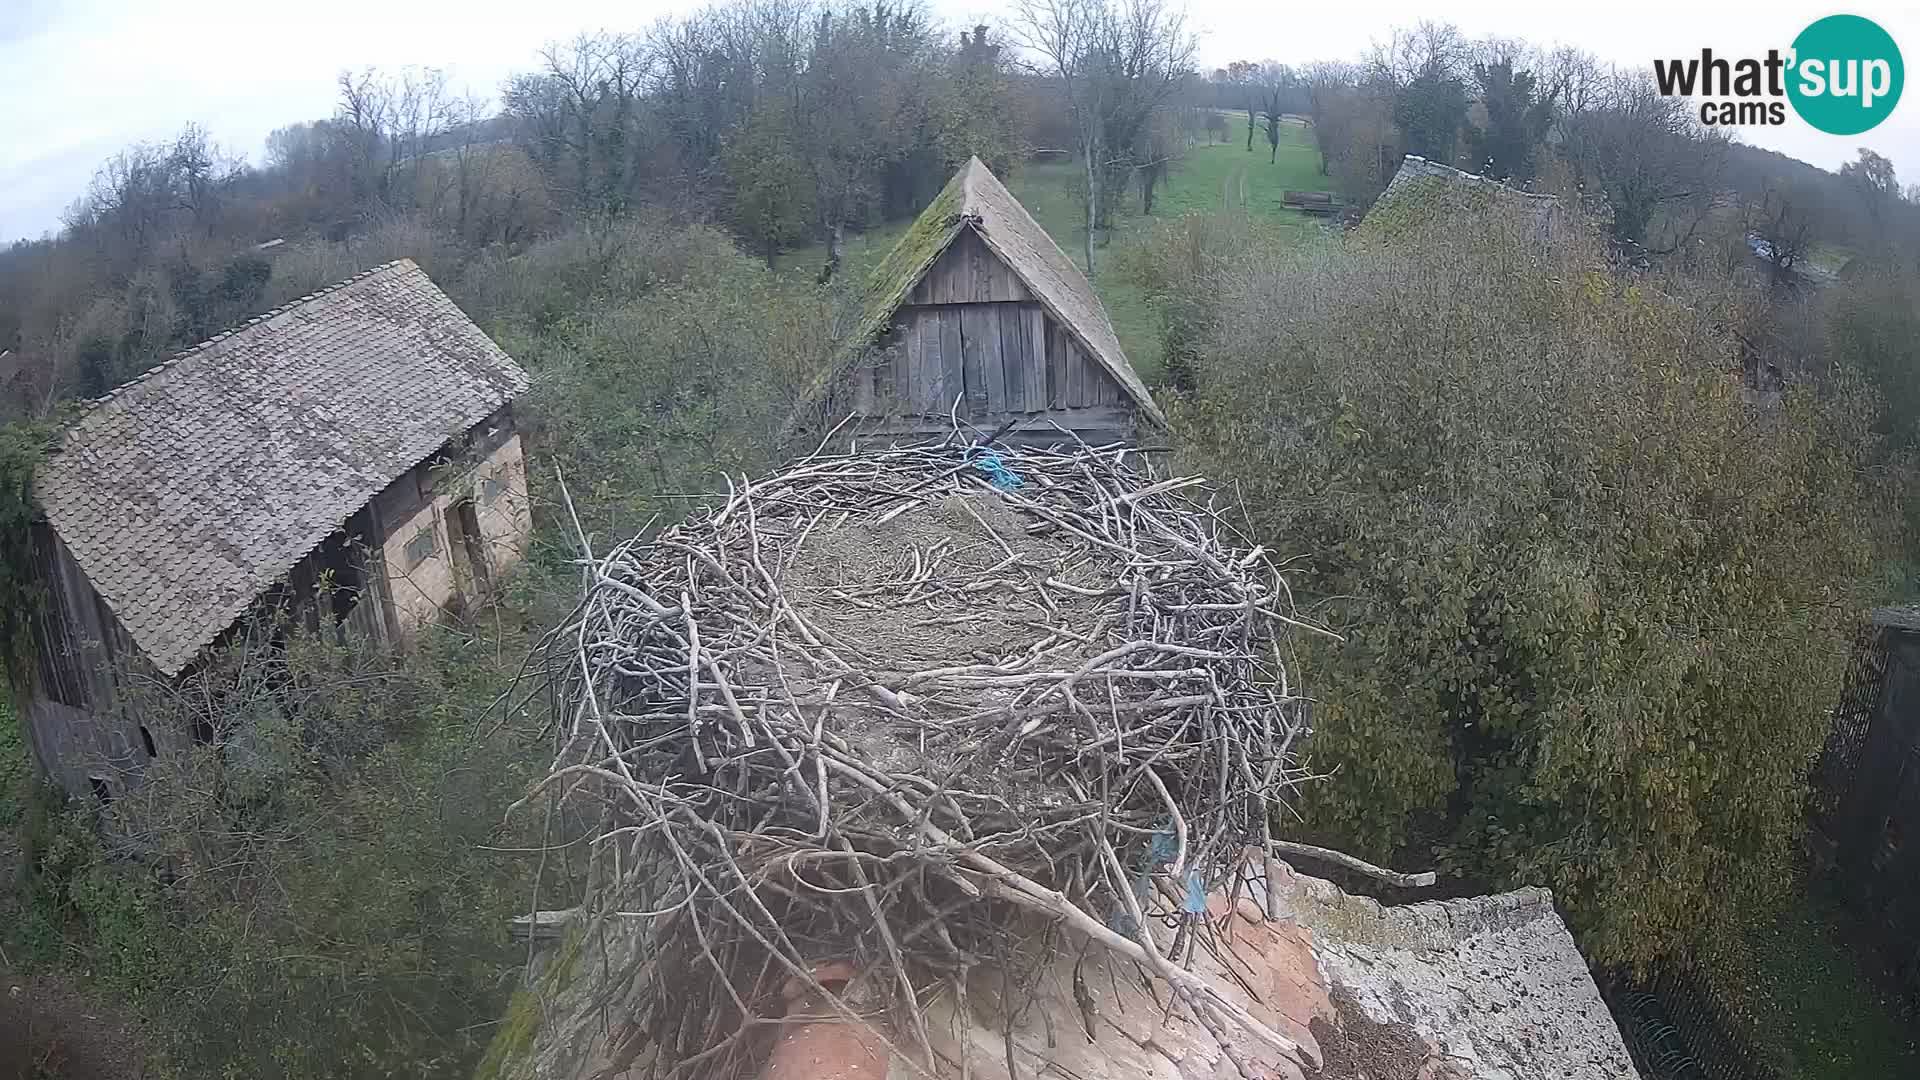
x: 901, y: 270
x: 1412, y: 204
x: 1423, y: 192
x: 975, y: 198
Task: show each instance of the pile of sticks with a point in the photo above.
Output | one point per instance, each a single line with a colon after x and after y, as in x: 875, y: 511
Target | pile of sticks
x: 780, y: 804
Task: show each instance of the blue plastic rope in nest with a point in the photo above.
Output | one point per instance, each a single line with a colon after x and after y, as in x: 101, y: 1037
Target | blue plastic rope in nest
x: 996, y: 470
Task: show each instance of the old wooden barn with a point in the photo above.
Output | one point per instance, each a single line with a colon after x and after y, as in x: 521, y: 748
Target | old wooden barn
x: 978, y: 316
x: 362, y: 437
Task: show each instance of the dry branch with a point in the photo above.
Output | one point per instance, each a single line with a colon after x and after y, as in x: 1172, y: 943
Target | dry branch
x: 874, y: 709
x: 1341, y: 858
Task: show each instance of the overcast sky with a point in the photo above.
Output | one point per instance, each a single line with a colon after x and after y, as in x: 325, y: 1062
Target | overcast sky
x: 79, y: 79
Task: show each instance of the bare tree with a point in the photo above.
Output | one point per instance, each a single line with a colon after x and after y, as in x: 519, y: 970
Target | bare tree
x: 863, y: 69
x: 389, y: 121
x: 1578, y: 77
x: 1428, y: 50
x: 1120, y: 63
x: 1651, y: 160
x: 1780, y: 230
x: 1243, y: 74
x: 1354, y: 128
x: 1065, y: 34
x: 587, y: 106
x: 1277, y: 83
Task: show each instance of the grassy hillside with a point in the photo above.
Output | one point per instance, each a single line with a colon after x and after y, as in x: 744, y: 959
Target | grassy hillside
x: 1210, y: 178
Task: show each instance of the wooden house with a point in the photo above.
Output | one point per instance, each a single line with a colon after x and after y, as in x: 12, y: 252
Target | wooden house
x: 361, y: 438
x: 978, y: 318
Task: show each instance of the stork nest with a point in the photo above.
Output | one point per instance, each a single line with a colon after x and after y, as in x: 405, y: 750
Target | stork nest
x: 878, y: 718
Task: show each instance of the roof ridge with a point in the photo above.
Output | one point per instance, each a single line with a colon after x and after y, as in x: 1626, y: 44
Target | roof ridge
x: 94, y: 404
x: 1037, y: 240
x: 1475, y: 177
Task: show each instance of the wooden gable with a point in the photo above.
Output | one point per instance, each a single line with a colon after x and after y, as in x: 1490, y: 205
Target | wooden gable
x: 969, y: 272
x: 971, y: 329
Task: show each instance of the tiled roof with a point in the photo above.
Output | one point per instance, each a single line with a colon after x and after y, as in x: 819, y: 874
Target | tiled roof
x: 976, y: 199
x: 1483, y: 987
x: 1422, y: 188
x: 186, y: 493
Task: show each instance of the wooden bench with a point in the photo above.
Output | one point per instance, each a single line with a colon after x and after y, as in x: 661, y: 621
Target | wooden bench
x: 1312, y: 202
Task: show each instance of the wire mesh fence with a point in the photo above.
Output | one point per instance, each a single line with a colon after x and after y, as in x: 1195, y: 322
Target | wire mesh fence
x: 1676, y: 1030
x: 1865, y: 799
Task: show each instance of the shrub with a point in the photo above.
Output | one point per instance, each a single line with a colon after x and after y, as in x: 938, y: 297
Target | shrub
x: 661, y: 392
x: 317, y: 889
x: 590, y: 266
x: 1591, y: 602
x: 314, y: 264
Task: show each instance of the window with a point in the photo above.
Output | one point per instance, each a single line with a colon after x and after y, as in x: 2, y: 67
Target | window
x: 101, y: 789
x: 422, y: 547
x: 490, y: 489
x: 146, y: 740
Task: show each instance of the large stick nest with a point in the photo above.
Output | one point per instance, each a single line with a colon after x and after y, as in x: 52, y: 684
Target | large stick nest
x: 902, y: 713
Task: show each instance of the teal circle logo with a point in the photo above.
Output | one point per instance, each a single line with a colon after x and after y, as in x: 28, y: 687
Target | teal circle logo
x: 1846, y: 74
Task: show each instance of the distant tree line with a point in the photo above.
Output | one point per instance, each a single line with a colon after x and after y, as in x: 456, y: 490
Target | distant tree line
x: 785, y: 121
x: 1559, y: 120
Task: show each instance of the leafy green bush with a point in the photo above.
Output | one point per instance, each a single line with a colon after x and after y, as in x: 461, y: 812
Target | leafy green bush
x: 318, y: 890
x: 588, y: 267
x: 309, y: 265
x: 1874, y: 330
x: 681, y: 377
x: 1591, y: 602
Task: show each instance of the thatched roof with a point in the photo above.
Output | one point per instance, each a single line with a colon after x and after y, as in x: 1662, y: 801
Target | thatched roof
x: 976, y: 199
x: 187, y: 492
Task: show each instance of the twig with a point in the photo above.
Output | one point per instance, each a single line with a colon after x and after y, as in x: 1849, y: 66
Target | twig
x: 1341, y: 858
x: 833, y: 720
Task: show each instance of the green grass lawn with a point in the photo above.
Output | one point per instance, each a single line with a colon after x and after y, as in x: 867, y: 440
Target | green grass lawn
x: 1795, y: 988
x: 1225, y: 176
x: 1829, y: 257
x: 1211, y: 178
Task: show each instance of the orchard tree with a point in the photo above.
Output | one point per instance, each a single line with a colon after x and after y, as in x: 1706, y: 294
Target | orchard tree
x: 1121, y: 64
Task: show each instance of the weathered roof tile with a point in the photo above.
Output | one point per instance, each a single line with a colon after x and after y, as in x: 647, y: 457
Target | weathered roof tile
x: 184, y: 494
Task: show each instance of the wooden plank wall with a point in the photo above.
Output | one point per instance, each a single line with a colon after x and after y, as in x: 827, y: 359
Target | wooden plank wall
x: 1003, y: 358
x: 971, y: 331
x: 968, y: 273
x: 73, y: 710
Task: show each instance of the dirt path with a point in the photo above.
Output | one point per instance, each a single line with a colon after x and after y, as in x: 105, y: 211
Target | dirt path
x: 1233, y: 190
x: 49, y: 1029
